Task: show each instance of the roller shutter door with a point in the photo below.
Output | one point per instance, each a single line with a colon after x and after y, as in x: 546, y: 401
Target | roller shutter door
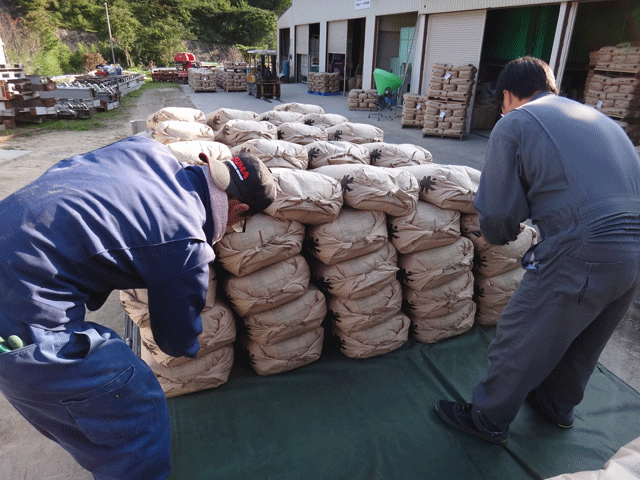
x: 302, y: 39
x: 337, y: 37
x: 454, y: 38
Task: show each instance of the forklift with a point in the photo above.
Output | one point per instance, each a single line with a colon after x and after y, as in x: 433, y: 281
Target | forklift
x: 262, y: 74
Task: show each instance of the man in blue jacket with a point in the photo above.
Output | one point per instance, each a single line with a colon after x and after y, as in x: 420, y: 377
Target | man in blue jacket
x: 128, y: 215
x: 576, y: 175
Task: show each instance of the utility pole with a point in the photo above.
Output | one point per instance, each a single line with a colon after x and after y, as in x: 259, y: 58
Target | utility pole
x: 113, y: 56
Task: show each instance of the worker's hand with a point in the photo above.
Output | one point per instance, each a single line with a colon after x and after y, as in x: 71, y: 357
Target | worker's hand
x: 237, y: 211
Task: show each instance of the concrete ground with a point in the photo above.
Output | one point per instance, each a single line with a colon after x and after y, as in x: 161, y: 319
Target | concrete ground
x: 29, y: 456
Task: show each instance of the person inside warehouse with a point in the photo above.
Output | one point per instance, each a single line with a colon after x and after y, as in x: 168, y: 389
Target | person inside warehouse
x: 128, y: 215
x: 576, y: 175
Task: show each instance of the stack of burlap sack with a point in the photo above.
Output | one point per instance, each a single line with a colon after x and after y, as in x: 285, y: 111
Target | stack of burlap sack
x: 412, y: 110
x: 358, y: 228
x: 232, y: 76
x: 202, y: 80
x: 323, y: 82
x: 359, y: 99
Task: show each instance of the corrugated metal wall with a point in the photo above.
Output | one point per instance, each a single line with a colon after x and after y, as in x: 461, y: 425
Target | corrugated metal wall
x: 302, y: 39
x: 337, y: 36
x: 438, y: 6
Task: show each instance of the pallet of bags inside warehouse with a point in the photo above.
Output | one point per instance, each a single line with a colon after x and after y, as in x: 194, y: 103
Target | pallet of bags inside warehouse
x: 613, y: 85
x: 359, y: 99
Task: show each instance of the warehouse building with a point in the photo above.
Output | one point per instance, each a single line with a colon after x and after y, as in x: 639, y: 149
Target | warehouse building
x: 406, y: 37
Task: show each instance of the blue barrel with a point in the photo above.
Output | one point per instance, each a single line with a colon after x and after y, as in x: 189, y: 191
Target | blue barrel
x: 285, y: 68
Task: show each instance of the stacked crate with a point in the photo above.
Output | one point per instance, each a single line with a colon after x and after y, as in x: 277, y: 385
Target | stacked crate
x: 412, y: 110
x: 613, y: 86
x: 448, y: 98
x: 232, y: 76
x: 323, y: 82
x: 359, y: 99
x: 202, y: 80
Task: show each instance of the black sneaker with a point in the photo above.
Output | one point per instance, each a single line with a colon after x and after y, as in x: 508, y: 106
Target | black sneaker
x: 458, y: 416
x: 560, y: 421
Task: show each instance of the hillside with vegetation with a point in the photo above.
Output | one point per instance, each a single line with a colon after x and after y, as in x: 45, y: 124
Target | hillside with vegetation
x: 145, y: 33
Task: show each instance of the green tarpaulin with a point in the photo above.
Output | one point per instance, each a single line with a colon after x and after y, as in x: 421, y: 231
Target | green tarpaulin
x: 340, y: 418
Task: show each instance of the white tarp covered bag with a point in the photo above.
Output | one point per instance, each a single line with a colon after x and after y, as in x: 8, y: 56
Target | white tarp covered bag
x: 275, y: 153
x: 303, y: 108
x: 355, y: 133
x: 289, y: 320
x: 268, y: 287
x: 431, y: 330
x: 235, y: 132
x: 351, y: 315
x: 623, y: 465
x: 202, y: 373
x: 426, y: 227
x: 393, y: 155
x: 304, y: 196
x: 183, y: 114
x: 323, y: 152
x: 448, y: 186
x: 278, y: 117
x: 323, y: 119
x: 296, y: 352
x: 358, y: 277
x: 440, y: 300
x: 264, y: 242
x: 365, y: 187
x: 352, y: 234
x: 218, y: 118
x: 430, y: 268
x: 493, y: 293
x: 300, y: 133
x: 189, y: 151
x: 377, y: 340
x: 171, y: 131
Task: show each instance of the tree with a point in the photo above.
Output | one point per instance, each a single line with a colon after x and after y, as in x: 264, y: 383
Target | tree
x: 20, y: 43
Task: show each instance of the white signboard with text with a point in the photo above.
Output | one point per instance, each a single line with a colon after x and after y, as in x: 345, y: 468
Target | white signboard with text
x: 360, y: 4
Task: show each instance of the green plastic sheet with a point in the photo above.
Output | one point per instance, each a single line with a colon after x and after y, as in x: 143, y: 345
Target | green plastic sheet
x: 340, y: 418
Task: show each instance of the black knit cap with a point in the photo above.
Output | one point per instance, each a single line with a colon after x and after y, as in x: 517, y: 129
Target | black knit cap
x: 246, y: 178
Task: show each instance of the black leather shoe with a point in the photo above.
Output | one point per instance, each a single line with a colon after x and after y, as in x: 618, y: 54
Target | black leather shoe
x: 560, y: 421
x: 458, y: 416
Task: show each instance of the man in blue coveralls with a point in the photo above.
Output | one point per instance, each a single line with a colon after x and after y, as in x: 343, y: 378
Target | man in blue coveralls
x: 128, y: 215
x: 576, y: 175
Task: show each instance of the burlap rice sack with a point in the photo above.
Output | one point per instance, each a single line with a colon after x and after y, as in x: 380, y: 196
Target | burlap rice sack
x: 365, y: 187
x: 304, y: 196
x: 267, y: 359
x: 300, y: 133
x: 275, y: 153
x: 351, y: 315
x: 182, y: 114
x: 264, y: 242
x: 289, y: 320
x: 171, y: 131
x: 355, y: 133
x: 392, y: 155
x: 382, y: 338
x: 278, y: 117
x: 218, y: 118
x: 269, y: 287
x: 322, y: 153
x: 352, y: 234
x: 303, y: 108
x: 492, y: 260
x: 430, y: 268
x: 493, y: 293
x: 188, y: 152
x: 235, y: 132
x: 424, y: 228
x: 323, y: 119
x: 447, y: 186
x: 358, y: 277
x: 202, y: 373
x: 431, y: 330
x: 440, y: 300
